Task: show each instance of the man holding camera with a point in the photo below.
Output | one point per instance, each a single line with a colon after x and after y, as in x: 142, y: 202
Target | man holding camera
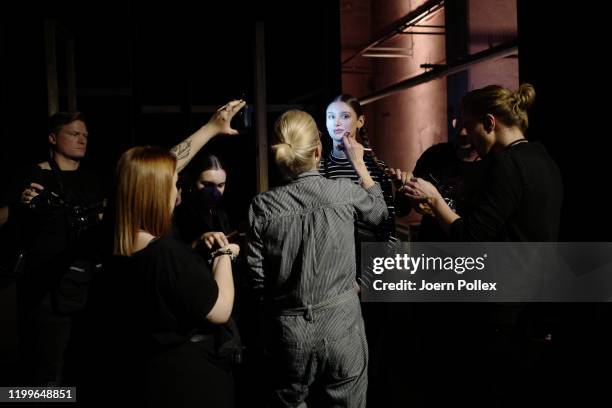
x: 61, y: 205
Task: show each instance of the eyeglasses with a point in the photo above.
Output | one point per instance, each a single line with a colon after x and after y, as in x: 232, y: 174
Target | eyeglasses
x: 459, y: 123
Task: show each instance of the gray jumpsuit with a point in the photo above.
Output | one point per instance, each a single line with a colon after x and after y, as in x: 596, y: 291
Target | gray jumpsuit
x: 301, y: 254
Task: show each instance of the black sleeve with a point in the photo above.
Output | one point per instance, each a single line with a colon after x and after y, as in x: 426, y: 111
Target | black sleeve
x: 194, y: 285
x: 499, y: 199
x: 423, y: 164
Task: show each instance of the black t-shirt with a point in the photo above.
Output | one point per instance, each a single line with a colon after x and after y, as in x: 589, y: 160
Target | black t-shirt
x: 144, y: 307
x: 520, y: 199
x: 178, y: 290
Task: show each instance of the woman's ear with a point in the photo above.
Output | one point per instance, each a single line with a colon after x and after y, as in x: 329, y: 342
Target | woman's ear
x: 360, y: 121
x: 489, y: 123
x: 318, y: 152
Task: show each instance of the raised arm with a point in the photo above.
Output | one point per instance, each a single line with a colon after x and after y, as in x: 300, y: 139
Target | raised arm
x: 220, y: 123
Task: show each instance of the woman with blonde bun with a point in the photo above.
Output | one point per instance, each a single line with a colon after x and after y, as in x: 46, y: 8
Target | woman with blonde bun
x: 522, y: 192
x: 301, y: 253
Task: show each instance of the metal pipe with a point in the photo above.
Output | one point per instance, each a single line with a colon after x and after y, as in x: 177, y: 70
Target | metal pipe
x: 408, y: 20
x: 426, y: 33
x: 368, y: 55
x: 500, y: 51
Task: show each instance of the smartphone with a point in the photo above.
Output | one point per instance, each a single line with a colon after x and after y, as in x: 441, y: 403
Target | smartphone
x: 242, y: 121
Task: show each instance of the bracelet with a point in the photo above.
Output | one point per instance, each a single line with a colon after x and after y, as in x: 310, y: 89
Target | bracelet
x: 220, y: 252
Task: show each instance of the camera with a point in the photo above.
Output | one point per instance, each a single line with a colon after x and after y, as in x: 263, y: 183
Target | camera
x: 46, y: 201
x: 80, y: 217
x: 448, y: 189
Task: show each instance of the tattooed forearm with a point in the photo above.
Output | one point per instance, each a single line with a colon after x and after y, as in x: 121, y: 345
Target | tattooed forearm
x: 182, y: 150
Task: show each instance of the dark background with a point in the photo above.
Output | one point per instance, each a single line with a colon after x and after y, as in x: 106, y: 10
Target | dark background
x: 184, y: 53
x: 130, y: 54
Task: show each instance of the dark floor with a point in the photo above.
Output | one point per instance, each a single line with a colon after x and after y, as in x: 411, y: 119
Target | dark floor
x: 439, y: 355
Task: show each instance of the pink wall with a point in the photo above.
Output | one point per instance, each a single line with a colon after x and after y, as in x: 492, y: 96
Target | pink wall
x: 492, y: 22
x: 410, y: 121
x: 405, y: 124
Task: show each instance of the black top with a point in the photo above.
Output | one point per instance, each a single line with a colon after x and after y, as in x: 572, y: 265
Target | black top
x: 192, y: 220
x: 144, y: 309
x: 178, y: 290
x: 520, y: 201
x: 457, y: 180
x: 62, y: 227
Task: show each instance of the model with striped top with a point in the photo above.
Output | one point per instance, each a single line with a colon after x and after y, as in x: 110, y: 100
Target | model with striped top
x: 345, y: 114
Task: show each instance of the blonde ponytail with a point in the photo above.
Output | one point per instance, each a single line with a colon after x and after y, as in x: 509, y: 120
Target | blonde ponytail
x: 509, y: 107
x: 297, y: 139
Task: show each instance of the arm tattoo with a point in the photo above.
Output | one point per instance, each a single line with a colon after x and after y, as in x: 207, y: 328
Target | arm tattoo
x: 181, y: 150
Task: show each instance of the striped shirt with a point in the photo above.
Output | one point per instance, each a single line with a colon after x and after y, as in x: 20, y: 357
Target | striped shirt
x: 301, y: 247
x: 334, y: 168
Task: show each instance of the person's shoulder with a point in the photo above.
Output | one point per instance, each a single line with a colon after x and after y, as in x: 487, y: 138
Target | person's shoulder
x: 339, y: 189
x: 43, y: 165
x: 259, y: 202
x: 161, y: 246
x: 439, y: 155
x: 263, y: 199
x: 439, y: 149
x: 170, y: 242
x: 535, y: 148
x: 168, y: 253
x: 37, y: 173
x: 35, y: 169
x: 525, y: 155
x: 503, y: 164
x: 338, y: 183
